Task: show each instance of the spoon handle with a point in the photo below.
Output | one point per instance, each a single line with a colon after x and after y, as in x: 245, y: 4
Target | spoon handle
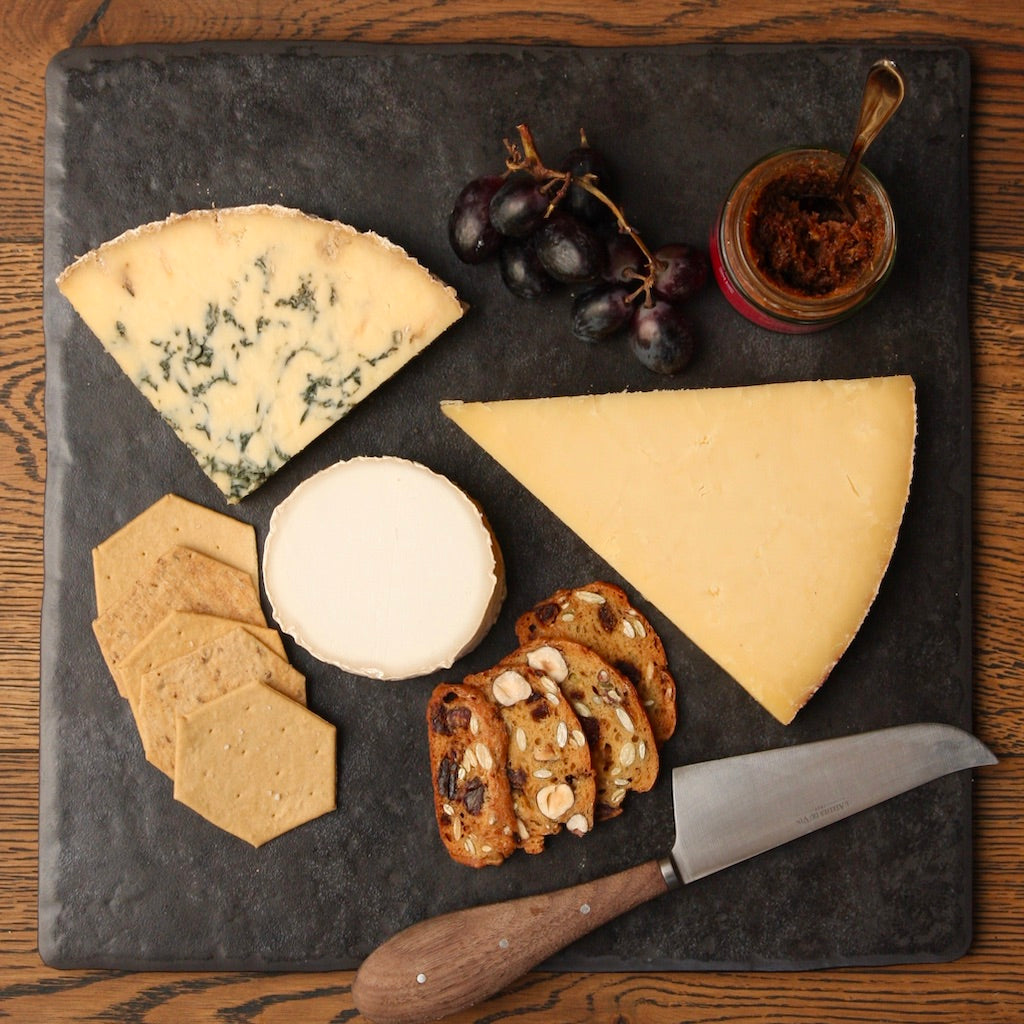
x: 883, y: 93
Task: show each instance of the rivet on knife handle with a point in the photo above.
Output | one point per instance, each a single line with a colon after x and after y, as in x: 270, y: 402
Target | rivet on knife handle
x: 447, y: 963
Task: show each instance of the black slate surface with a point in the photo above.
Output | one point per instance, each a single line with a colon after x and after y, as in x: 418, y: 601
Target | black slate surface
x: 383, y: 138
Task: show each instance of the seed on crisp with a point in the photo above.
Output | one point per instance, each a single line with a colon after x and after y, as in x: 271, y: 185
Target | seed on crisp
x: 483, y: 756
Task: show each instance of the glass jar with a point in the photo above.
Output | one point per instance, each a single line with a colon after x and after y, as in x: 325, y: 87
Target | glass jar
x: 776, y: 259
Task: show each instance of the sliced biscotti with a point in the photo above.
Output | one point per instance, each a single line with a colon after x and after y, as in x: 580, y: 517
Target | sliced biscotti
x: 622, y: 748
x: 549, y: 761
x: 468, y: 746
x: 601, y: 617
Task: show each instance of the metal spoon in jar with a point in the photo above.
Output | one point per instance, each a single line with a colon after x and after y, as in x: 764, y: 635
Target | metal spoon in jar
x: 883, y: 93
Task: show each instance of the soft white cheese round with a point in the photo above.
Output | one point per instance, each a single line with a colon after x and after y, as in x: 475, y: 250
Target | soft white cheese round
x: 383, y: 568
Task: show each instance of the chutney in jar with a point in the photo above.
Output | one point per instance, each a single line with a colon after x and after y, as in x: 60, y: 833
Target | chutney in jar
x: 804, y: 240
x: 786, y: 258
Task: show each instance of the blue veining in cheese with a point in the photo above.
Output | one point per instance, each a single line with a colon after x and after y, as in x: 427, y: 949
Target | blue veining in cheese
x: 251, y: 330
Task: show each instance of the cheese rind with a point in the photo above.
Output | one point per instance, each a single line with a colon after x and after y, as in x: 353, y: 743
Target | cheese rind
x: 760, y: 520
x: 383, y: 568
x: 253, y: 329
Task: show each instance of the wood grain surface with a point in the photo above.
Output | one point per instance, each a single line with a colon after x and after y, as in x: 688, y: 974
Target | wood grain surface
x: 987, y: 984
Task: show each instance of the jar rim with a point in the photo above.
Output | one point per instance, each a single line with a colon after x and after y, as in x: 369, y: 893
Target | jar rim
x: 760, y: 290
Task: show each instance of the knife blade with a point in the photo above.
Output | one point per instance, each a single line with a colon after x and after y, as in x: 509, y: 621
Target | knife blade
x: 726, y: 811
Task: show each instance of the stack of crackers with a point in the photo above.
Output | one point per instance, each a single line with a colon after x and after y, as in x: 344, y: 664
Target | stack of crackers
x: 556, y: 733
x: 217, y: 705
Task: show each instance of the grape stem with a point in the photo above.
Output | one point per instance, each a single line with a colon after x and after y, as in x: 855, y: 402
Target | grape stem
x: 525, y: 157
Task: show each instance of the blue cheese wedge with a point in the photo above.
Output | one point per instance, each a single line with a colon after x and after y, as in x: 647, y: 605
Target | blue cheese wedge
x: 253, y: 329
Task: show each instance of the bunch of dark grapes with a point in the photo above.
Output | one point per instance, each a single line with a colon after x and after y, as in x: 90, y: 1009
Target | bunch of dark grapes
x: 549, y: 228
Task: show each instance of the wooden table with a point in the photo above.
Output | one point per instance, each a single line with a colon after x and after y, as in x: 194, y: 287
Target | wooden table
x: 987, y: 985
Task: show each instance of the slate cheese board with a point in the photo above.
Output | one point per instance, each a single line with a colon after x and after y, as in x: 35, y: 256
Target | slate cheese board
x: 383, y: 137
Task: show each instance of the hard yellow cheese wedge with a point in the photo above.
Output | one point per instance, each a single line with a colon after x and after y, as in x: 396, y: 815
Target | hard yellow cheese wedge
x: 759, y: 519
x: 253, y: 329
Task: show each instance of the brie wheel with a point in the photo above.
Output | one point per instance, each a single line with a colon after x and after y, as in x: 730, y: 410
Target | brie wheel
x: 383, y: 568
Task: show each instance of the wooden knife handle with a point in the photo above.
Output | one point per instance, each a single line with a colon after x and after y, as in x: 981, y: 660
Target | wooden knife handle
x: 447, y: 963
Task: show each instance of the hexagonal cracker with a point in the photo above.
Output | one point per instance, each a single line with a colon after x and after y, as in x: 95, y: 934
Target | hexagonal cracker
x: 169, y: 522
x: 180, y: 686
x: 255, y: 763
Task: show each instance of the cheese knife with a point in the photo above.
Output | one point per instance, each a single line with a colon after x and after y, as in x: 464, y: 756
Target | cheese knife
x: 726, y: 811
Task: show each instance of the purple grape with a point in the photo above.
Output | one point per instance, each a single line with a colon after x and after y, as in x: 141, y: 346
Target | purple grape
x: 521, y: 270
x: 569, y: 250
x: 601, y: 312
x: 579, y: 202
x: 472, y: 235
x: 661, y: 337
x: 519, y: 206
x: 680, y: 271
x: 624, y: 256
